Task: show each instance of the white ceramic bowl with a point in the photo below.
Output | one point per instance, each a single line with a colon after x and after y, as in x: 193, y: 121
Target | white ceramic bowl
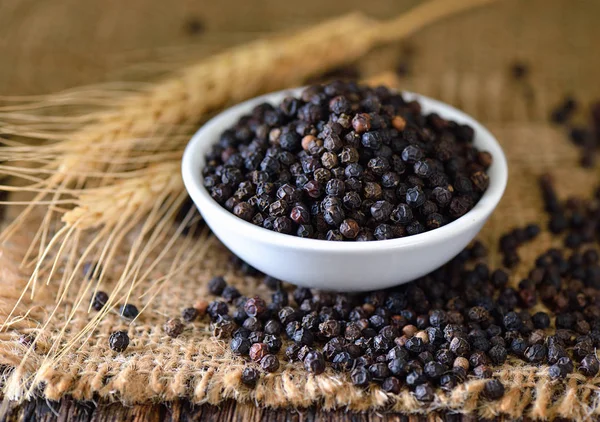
x: 346, y: 266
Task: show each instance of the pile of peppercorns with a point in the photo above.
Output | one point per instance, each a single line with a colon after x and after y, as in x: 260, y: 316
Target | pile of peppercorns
x: 586, y: 137
x: 346, y: 162
x: 456, y: 322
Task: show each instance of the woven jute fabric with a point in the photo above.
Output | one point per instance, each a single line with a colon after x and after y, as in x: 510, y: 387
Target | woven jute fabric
x: 199, y: 367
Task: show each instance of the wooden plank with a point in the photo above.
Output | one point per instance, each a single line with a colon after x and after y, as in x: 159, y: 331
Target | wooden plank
x: 183, y: 411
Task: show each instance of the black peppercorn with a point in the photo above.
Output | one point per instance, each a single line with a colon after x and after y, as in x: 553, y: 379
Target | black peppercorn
x: 230, y: 293
x: 536, y: 353
x: 512, y: 321
x: 291, y: 352
x: 391, y: 385
x: 493, y: 389
x: 561, y: 368
x: 424, y: 393
x: 459, y: 346
x: 250, y: 377
x: 360, y: 377
x: 118, y: 341
x: 415, y: 197
x: 589, y: 365
x: 216, y: 285
x: 189, y: 314
x: 216, y: 308
x: 129, y: 311
x: 99, y: 300
x: 269, y: 363
x: 314, y: 362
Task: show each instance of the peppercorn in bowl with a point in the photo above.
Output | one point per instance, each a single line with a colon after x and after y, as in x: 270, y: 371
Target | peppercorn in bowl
x: 344, y: 187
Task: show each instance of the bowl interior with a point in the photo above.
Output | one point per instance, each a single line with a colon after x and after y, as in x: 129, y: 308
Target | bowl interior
x: 193, y: 162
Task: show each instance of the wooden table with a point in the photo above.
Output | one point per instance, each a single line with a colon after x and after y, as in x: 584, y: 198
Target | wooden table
x: 52, y: 45
x: 71, y: 410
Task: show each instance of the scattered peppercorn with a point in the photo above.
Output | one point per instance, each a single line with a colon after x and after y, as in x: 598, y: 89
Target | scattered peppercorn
x: 129, y: 311
x: 493, y: 389
x: 189, y: 314
x: 314, y: 362
x: 360, y: 377
x: 589, y: 365
x: 118, y: 341
x: 216, y: 285
x: 173, y: 327
x: 258, y: 351
x: 269, y: 363
x: 99, y: 300
x: 255, y: 307
x: 194, y: 26
x: 250, y: 377
x: 586, y: 138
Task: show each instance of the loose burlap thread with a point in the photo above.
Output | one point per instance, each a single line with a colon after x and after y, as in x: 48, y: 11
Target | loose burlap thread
x: 200, y: 367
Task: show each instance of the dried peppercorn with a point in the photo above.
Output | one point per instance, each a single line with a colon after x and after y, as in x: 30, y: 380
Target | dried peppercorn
x: 493, y: 389
x: 269, y: 363
x: 360, y: 377
x: 173, y: 327
x: 99, y: 300
x: 216, y: 285
x: 216, y: 308
x: 189, y: 314
x: 273, y: 343
x: 128, y: 311
x: 230, y: 293
x: 92, y: 270
x: 314, y: 362
x: 255, y: 307
x: 118, y: 341
x: 240, y: 345
x: 589, y: 365
x: 250, y: 377
x: 424, y: 393
x: 258, y: 351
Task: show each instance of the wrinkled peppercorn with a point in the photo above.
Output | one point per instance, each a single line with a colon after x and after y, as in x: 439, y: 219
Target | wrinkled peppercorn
x: 99, y: 300
x: 314, y: 362
x: 118, y: 341
x: 255, y: 307
x: 250, y: 377
x: 493, y: 389
x: 269, y: 363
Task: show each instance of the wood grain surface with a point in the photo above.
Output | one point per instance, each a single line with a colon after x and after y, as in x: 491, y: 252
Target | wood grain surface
x: 50, y: 45
x: 70, y: 410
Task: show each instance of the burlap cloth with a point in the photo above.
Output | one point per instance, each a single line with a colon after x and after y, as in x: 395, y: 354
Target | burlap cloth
x: 201, y: 368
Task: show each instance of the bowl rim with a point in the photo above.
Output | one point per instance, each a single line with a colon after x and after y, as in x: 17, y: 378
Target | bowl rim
x: 192, y: 178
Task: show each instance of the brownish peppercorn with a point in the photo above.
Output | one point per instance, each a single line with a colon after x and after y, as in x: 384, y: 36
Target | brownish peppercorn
x: 173, y: 327
x: 258, y: 351
x: 361, y: 122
